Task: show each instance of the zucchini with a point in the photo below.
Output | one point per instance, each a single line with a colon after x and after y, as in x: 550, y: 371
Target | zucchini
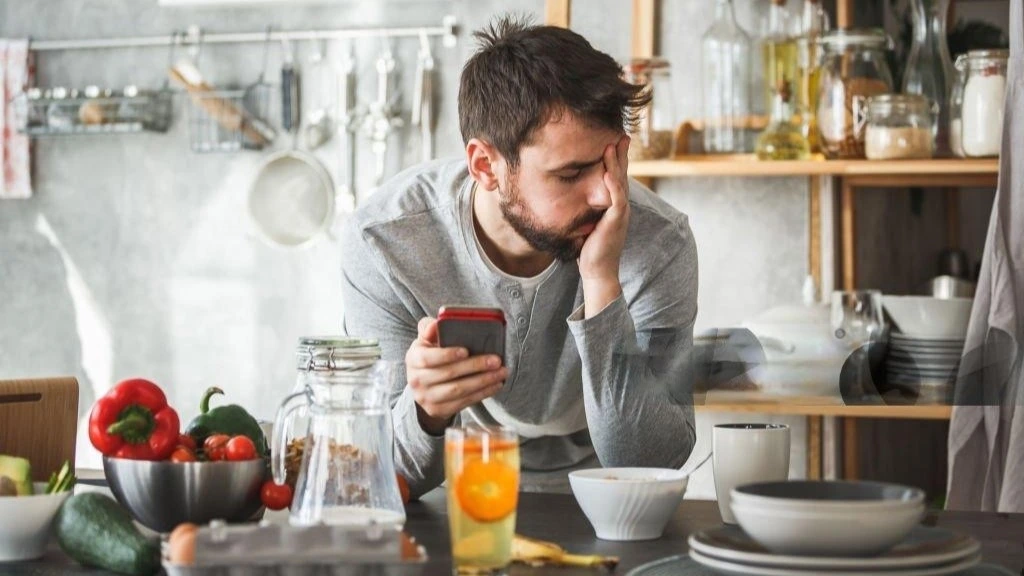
x: 96, y: 531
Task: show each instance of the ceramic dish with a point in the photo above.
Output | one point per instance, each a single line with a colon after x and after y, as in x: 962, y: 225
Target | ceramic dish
x: 924, y: 317
x: 811, y: 518
x: 924, y: 546
x: 628, y: 503
x: 753, y: 570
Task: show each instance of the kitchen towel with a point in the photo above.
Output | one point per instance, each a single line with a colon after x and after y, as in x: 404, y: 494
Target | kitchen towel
x: 986, y: 434
x: 15, y: 76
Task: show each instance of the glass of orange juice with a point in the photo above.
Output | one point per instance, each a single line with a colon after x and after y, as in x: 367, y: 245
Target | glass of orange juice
x: 481, y: 468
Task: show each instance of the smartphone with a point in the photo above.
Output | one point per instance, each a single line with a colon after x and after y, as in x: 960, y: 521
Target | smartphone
x: 479, y: 330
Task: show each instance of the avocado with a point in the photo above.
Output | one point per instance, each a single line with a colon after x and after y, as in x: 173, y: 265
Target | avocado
x: 15, y: 476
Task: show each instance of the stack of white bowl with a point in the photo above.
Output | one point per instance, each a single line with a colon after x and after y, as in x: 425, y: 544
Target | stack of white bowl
x: 799, y: 528
x: 924, y: 354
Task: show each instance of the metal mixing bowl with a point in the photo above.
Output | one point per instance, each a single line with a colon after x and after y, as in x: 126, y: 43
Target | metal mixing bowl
x: 162, y: 495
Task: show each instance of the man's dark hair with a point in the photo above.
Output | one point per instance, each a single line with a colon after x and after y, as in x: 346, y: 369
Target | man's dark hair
x: 524, y: 75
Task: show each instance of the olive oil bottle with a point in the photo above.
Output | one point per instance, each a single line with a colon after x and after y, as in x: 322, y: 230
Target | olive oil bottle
x: 783, y: 139
x: 814, y: 22
x: 779, y: 51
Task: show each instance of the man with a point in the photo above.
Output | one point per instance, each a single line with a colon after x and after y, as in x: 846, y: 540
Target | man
x: 597, y: 276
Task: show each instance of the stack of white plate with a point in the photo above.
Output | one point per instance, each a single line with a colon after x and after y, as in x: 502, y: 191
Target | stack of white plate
x: 926, y: 551
x: 925, y: 366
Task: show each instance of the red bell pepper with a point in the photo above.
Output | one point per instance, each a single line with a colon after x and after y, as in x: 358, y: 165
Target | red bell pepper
x: 134, y: 421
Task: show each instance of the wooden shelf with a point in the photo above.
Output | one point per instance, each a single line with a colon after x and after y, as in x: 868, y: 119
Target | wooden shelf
x: 749, y: 165
x: 752, y: 402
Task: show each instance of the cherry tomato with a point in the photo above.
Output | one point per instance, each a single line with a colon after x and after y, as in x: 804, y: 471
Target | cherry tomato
x: 187, y: 441
x: 240, y: 448
x: 403, y: 488
x: 276, y: 496
x: 182, y: 454
x: 215, y: 447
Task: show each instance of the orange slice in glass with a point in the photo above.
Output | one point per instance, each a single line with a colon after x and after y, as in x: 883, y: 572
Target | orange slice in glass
x: 487, y: 491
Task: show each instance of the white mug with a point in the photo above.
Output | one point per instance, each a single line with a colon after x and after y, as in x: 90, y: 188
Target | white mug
x: 745, y: 454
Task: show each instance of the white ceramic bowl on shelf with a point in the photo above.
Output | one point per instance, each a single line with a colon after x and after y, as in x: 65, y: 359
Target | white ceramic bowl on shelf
x: 628, y: 503
x: 26, y: 523
x: 927, y: 318
x: 812, y: 518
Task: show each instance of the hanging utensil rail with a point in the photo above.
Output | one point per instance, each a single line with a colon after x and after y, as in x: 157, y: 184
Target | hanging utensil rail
x: 446, y: 31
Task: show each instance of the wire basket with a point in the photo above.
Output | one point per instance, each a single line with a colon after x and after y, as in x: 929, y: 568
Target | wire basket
x: 230, y: 120
x: 60, y: 112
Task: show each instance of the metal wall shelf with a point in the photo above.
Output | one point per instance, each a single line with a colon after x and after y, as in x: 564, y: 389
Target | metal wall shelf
x: 195, y: 37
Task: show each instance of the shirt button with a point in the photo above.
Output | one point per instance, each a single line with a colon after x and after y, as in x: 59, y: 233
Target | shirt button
x: 521, y: 321
x: 515, y: 293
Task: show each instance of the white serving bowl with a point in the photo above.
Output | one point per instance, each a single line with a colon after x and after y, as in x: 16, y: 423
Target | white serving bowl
x: 628, y: 503
x: 930, y: 318
x: 810, y: 518
x: 26, y: 523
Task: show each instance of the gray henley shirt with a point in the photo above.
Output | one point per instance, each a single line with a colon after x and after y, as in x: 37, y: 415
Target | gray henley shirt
x: 614, y: 389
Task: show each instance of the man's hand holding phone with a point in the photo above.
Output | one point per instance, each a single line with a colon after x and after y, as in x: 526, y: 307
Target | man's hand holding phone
x: 444, y: 377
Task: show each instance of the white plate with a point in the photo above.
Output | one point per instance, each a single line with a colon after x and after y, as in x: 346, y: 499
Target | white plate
x: 918, y: 341
x: 950, y: 355
x: 925, y: 358
x: 940, y: 371
x: 754, y: 570
x: 919, y: 373
x: 921, y: 364
x: 924, y: 546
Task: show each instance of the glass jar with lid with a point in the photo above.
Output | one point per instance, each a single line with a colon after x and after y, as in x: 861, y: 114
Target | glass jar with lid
x: 853, y: 68
x: 653, y: 138
x: 956, y: 102
x: 899, y: 126
x: 333, y: 437
x: 981, y: 114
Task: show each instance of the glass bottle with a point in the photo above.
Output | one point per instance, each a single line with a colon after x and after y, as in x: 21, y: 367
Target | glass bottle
x: 779, y: 53
x: 929, y: 70
x: 725, y: 59
x: 782, y: 139
x: 813, y: 19
x: 814, y: 22
x: 653, y: 137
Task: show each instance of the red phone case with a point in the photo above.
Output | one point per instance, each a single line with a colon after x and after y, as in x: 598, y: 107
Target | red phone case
x: 471, y: 313
x: 477, y: 329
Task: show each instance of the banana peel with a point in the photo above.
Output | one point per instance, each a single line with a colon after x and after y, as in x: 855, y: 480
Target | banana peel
x: 541, y: 553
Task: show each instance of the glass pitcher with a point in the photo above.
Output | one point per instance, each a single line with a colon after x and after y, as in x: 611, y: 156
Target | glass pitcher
x: 347, y: 472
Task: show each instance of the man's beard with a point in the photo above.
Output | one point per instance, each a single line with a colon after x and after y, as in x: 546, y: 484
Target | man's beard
x: 560, y: 244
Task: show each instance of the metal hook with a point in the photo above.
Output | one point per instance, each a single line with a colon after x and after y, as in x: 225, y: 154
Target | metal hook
x: 425, y: 52
x: 171, y: 53
x: 194, y: 38
x: 266, y: 55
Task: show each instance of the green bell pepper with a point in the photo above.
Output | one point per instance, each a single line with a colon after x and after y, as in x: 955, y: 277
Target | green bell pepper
x: 231, y: 420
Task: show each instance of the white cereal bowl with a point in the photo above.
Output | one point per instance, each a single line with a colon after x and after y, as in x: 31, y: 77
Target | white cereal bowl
x: 27, y: 522
x: 628, y: 503
x: 928, y: 318
x: 827, y: 519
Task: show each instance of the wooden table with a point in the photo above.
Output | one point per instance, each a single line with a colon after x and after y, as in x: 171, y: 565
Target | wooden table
x: 557, y: 518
